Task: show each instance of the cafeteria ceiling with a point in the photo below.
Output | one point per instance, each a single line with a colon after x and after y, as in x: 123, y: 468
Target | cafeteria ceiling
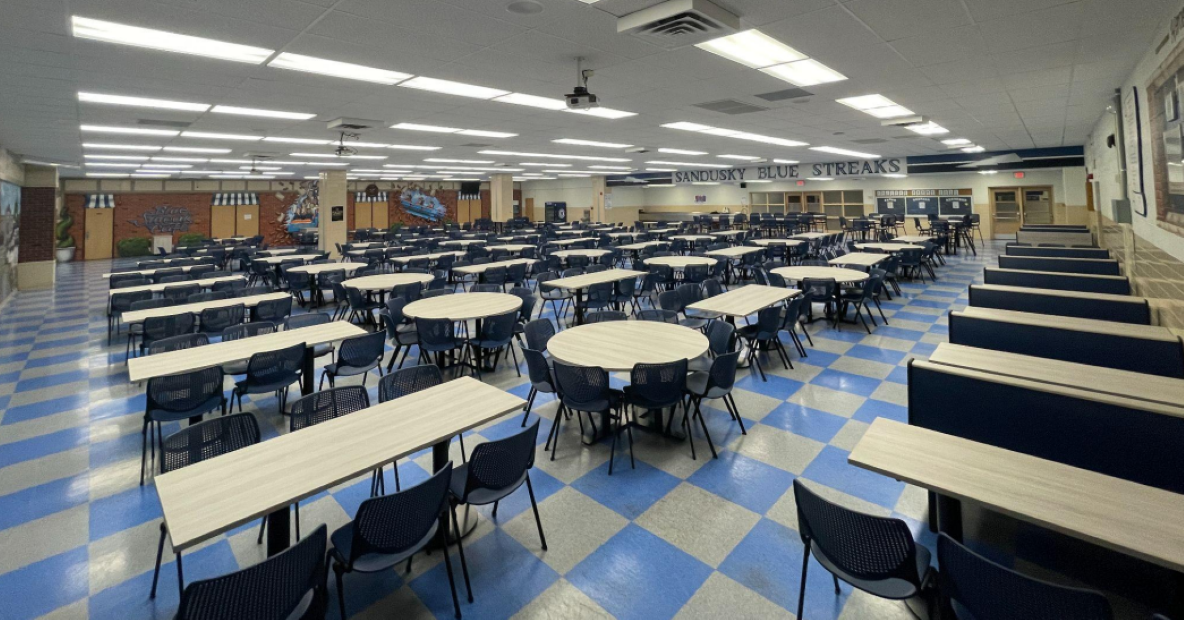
x: 1005, y: 74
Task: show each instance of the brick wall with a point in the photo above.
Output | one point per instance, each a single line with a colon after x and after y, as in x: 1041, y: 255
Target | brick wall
x: 38, y: 217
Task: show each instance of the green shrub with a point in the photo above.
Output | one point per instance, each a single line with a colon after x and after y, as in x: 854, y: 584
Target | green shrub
x: 62, y: 230
x: 134, y: 246
x: 191, y: 239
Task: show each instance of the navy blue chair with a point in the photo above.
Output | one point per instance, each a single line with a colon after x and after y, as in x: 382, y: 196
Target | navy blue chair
x: 178, y: 397
x: 216, y: 320
x: 538, y: 333
x: 400, y: 333
x: 272, y: 311
x: 438, y: 336
x: 764, y: 334
x: 406, y: 381
x: 716, y: 382
x: 178, y: 343
x: 161, y: 327
x: 497, y: 334
x: 357, y: 355
x: 245, y: 330
x: 586, y: 389
x: 271, y: 371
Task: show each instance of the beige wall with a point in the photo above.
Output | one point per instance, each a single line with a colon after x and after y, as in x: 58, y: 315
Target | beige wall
x: 11, y: 169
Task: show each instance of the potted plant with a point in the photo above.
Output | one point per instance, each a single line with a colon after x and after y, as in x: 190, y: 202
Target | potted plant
x: 64, y: 251
x: 134, y: 246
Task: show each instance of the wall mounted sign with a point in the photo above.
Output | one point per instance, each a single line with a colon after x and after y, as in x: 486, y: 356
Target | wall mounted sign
x: 701, y: 199
x: 920, y: 205
x: 893, y: 206
x: 165, y: 219
x: 338, y: 214
x: 794, y: 172
x: 922, y: 202
x: 955, y: 205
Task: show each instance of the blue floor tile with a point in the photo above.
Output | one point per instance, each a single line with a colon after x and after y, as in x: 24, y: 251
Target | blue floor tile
x: 804, y: 421
x: 846, y: 382
x: 744, y: 481
x: 42, y: 587
x: 120, y: 511
x: 872, y: 409
x: 629, y: 492
x: 44, y: 499
x: 830, y: 468
x: 43, y: 445
x: 875, y: 354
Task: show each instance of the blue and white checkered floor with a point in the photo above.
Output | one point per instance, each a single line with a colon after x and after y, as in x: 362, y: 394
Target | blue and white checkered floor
x: 675, y: 537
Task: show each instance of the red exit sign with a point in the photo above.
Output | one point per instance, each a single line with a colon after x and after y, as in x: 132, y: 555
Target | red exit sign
x: 1018, y: 175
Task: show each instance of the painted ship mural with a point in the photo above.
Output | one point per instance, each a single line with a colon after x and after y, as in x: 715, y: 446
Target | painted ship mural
x: 422, y: 205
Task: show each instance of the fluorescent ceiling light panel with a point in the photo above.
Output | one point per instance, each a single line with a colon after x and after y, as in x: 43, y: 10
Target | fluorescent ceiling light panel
x: 579, y: 142
x: 741, y: 157
x: 608, y: 113
x: 220, y: 136
x: 106, y: 175
x: 988, y: 171
x: 263, y: 168
x: 974, y: 149
x: 482, y: 133
x: 229, y: 109
x: 610, y: 167
x: 449, y: 87
x: 118, y: 157
x: 296, y: 140
x: 837, y: 151
x: 459, y: 161
x: 167, y: 166
x: 350, y: 71
x: 120, y: 147
x: 685, y: 126
x: 718, y: 131
x: 419, y: 127
x: 552, y: 156
x: 957, y: 142
x: 689, y: 164
x: 864, y: 103
x: 150, y: 175
x: 660, y: 170
x: 110, y: 32
x: 752, y: 48
x: 681, y: 152
x: 573, y: 176
x: 315, y: 155
x: 544, y: 165
x: 195, y: 160
x: 230, y: 161
x: 107, y: 164
x: 927, y: 129
x: 369, y: 145
x: 819, y: 179
x: 363, y: 156
x: 894, y: 175
x: 533, y: 101
x: 892, y: 111
x: 759, y: 181
x: 138, y: 131
x: 412, y: 147
x: 655, y: 185
x: 786, y: 161
x: 805, y: 73
x: 142, y: 102
x: 194, y: 149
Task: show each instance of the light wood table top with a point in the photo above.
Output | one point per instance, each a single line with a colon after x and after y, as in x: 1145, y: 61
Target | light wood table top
x: 1052, y: 260
x: 277, y: 252
x: 313, y: 270
x: 566, y: 241
x: 680, y: 262
x: 861, y: 259
x: 217, y: 354
x: 1123, y: 383
x: 1053, y: 273
x: 570, y: 231
x: 275, y: 260
x: 1110, y: 328
x: 463, y: 306
x: 435, y: 256
x: 914, y: 238
x: 735, y: 251
x: 1059, y: 293
x: 148, y: 272
x: 464, y: 242
x: 387, y: 281
x: 509, y: 247
x: 885, y: 247
x: 620, y: 235
x: 1124, y: 516
x: 157, y: 288
x: 641, y: 245
x: 209, y: 498
x: 620, y: 345
x: 139, y: 316
x: 477, y: 269
x: 727, y: 233
x: 811, y: 235
x: 745, y: 300
x: 221, y: 239
x: 838, y: 274
x: 362, y: 252
x: 693, y: 238
x: 768, y: 242
x: 594, y: 253
x: 588, y: 279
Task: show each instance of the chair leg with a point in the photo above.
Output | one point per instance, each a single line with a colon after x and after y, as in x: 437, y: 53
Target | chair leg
x: 143, y: 450
x: 341, y: 588
x: 529, y: 405
x: 460, y: 548
x: 612, y: 454
x: 534, y: 506
x: 159, y: 555
x: 802, y: 591
x: 836, y: 578
x: 703, y: 425
x: 730, y: 403
x: 180, y: 576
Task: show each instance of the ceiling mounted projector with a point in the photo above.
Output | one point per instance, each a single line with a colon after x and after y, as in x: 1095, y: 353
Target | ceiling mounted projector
x: 581, y: 99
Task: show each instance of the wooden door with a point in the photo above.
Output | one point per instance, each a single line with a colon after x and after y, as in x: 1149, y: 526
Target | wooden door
x: 99, y: 233
x: 1038, y: 205
x: 223, y: 221
x: 361, y: 215
x: 530, y: 210
x: 248, y: 221
x: 814, y: 202
x: 1006, y: 211
x: 379, y: 215
x: 462, y: 211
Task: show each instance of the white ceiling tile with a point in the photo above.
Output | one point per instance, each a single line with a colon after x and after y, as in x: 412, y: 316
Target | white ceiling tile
x: 1034, y: 28
x: 898, y: 19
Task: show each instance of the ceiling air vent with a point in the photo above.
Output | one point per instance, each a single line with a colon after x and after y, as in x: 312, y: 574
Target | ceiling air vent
x: 783, y: 95
x: 150, y: 122
x: 679, y: 23
x: 730, y: 106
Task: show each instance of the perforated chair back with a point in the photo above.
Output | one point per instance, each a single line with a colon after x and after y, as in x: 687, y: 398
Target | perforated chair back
x: 657, y: 385
x: 279, y: 367
x: 178, y: 343
x: 186, y: 393
x: 538, y: 333
x: 720, y: 336
x: 391, y: 524
x: 582, y: 387
x: 273, y: 310
x: 208, y: 439
x: 306, y: 320
x: 215, y: 320
x: 605, y: 316
x: 326, y: 405
x: 991, y: 592
x: 818, y: 289
x: 408, y: 380
x: 500, y: 464
x: 160, y: 327
x: 361, y: 351
x: 658, y: 316
x: 247, y: 330
x: 436, y: 334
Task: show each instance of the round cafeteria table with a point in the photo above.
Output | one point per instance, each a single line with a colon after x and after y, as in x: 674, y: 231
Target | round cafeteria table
x: 768, y: 242
x: 593, y: 255
x: 617, y: 346
x: 383, y: 282
x: 680, y: 262
x: 838, y: 274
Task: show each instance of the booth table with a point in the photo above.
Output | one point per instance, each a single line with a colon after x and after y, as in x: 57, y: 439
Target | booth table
x: 859, y: 259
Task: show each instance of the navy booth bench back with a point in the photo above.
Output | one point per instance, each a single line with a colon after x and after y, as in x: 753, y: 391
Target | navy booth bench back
x: 1057, y: 281
x: 1136, y: 311
x: 1028, y: 250
x: 1063, y: 265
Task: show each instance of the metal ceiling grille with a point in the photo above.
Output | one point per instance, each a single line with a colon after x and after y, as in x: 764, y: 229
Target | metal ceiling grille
x: 730, y: 106
x: 784, y: 95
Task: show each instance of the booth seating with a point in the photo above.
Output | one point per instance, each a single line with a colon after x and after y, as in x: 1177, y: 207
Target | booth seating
x: 1136, y: 440
x: 1028, y: 250
x: 1054, y: 227
x: 1091, y: 266
x: 1113, y: 285
x: 1139, y: 348
x: 1065, y: 237
x: 1098, y: 306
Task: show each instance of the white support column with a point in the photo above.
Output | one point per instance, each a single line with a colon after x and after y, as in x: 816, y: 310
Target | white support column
x: 332, y: 199
x: 501, y: 197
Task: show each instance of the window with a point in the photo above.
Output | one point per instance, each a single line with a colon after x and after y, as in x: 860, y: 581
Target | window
x: 767, y: 202
x: 846, y: 203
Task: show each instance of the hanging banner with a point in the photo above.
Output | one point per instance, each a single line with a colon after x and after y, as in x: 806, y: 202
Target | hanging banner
x: 794, y: 172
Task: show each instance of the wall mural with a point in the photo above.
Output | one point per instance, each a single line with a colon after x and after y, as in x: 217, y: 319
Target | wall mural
x: 164, y: 219
x: 1166, y: 128
x: 304, y: 211
x: 422, y: 204
x: 10, y: 238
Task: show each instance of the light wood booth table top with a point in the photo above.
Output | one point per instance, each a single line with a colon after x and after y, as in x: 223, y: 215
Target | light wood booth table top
x: 277, y: 252
x: 594, y: 253
x: 509, y: 247
x: 838, y: 274
x: 1110, y: 328
x: 148, y: 272
x: 157, y: 288
x: 275, y: 260
x: 212, y: 497
x: 768, y: 242
x: 861, y: 259
x: 1059, y: 293
x: 477, y: 269
x: 217, y: 354
x: 618, y: 346
x: 387, y: 281
x: 1124, y: 516
x: 745, y: 300
x: 1053, y: 273
x: 588, y: 279
x: 463, y: 306
x: 914, y: 238
x: 435, y: 256
x: 680, y: 262
x: 641, y: 245
x: 1121, y: 383
x: 735, y: 251
x: 571, y: 231
x: 313, y: 270
x: 727, y: 233
x: 885, y: 247
x: 139, y: 316
x: 620, y: 235
x: 566, y: 241
x: 811, y: 235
